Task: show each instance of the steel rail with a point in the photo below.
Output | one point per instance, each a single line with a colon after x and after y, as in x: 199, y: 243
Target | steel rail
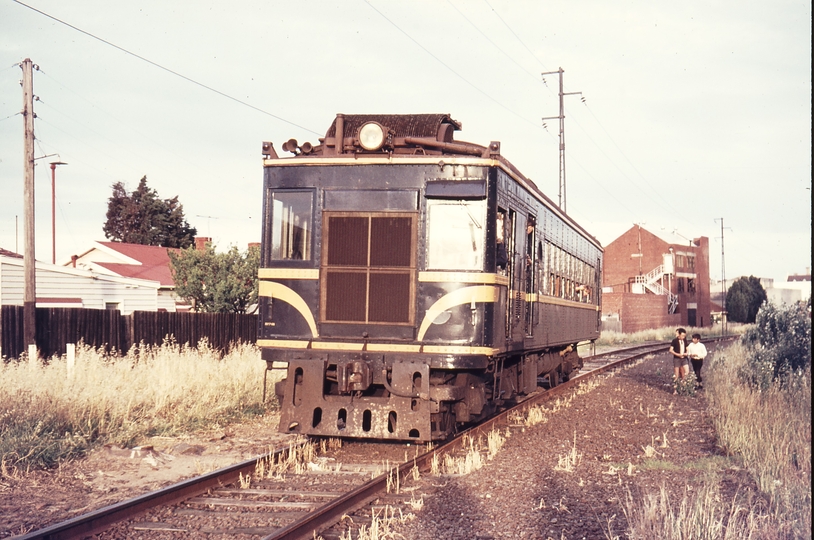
x: 99, y: 520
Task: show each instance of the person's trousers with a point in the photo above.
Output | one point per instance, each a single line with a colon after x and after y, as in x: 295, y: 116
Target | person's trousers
x: 696, y: 367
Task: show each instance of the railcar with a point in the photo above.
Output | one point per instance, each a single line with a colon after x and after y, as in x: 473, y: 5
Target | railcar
x: 411, y: 283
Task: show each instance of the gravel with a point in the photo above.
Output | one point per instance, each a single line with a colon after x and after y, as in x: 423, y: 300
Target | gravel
x: 523, y: 493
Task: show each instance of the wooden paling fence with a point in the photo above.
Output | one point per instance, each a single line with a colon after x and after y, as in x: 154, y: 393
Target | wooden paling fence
x: 56, y: 327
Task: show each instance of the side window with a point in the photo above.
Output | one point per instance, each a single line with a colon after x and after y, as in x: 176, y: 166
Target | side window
x: 291, y: 229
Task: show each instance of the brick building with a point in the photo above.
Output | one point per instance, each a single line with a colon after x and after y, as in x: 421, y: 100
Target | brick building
x: 650, y: 283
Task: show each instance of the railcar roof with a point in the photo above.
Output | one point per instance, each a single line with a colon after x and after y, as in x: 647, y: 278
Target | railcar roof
x: 413, y: 138
x: 402, y: 125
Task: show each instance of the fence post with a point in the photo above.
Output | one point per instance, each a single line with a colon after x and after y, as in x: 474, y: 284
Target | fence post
x: 71, y: 357
x: 33, y: 357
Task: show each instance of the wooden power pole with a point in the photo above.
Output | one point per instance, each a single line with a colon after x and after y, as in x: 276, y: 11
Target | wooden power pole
x: 30, y: 292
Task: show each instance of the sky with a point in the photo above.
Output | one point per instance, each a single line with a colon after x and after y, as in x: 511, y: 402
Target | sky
x: 694, y: 117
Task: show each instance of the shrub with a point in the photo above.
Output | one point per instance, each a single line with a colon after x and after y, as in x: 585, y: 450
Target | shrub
x: 779, y: 344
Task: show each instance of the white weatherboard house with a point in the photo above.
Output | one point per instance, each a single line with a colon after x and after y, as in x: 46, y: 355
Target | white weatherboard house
x: 136, y: 261
x: 60, y: 286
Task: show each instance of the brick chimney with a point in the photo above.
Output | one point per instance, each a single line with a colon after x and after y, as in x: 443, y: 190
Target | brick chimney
x: 201, y: 241
x: 254, y: 245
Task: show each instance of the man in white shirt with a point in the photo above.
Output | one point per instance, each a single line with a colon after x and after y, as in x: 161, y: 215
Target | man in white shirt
x: 697, y: 352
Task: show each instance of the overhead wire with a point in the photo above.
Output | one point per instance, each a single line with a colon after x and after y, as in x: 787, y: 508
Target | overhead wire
x: 507, y: 55
x: 97, y: 151
x: 447, y: 66
x: 168, y: 70
x: 10, y: 116
x: 495, y: 45
x: 624, y: 155
x: 662, y: 201
x: 96, y: 106
x: 120, y: 122
x: 515, y: 35
x: 55, y: 109
x: 610, y: 194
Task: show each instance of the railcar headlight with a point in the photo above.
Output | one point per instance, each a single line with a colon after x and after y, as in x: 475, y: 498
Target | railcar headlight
x: 371, y: 136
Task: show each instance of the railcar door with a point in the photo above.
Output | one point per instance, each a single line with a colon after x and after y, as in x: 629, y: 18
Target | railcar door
x: 530, y: 279
x: 515, y: 329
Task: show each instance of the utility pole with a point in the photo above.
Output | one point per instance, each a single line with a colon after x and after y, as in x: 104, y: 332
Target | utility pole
x: 29, y: 257
x: 723, y: 280
x: 561, y: 117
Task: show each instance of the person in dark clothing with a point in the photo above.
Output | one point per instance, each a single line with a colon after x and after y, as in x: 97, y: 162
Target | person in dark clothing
x: 678, y: 348
x: 501, y: 254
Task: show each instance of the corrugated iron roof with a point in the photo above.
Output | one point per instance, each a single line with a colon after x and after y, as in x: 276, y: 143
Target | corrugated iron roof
x: 403, y: 125
x: 155, y: 262
x: 8, y: 253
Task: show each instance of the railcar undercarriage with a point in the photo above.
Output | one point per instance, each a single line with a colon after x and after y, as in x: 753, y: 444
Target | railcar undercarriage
x: 406, y: 398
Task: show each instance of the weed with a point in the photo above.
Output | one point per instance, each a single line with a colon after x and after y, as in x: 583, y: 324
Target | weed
x: 416, y: 505
x: 245, y: 482
x: 686, y: 386
x: 569, y: 461
x: 381, y: 525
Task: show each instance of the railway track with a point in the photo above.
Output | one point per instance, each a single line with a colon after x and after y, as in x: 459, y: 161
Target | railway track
x: 304, y: 489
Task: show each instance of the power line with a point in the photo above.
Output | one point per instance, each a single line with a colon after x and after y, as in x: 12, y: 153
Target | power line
x: 482, y: 33
x: 565, y: 109
x: 118, y: 121
x: 464, y: 79
x: 168, y: 70
x: 10, y: 116
x: 515, y: 34
x: 666, y: 203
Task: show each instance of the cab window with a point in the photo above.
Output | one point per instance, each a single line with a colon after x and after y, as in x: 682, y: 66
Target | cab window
x: 291, y: 228
x: 455, y: 234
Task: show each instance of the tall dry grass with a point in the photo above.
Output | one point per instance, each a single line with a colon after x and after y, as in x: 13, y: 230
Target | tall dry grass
x: 701, y: 514
x: 51, y: 413
x: 666, y: 333
x: 771, y: 431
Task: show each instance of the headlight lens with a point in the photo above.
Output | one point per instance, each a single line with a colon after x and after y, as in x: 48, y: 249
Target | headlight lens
x: 371, y: 136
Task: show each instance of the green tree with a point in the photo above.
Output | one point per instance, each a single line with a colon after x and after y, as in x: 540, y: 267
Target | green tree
x: 744, y: 298
x: 144, y: 218
x: 217, y: 282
